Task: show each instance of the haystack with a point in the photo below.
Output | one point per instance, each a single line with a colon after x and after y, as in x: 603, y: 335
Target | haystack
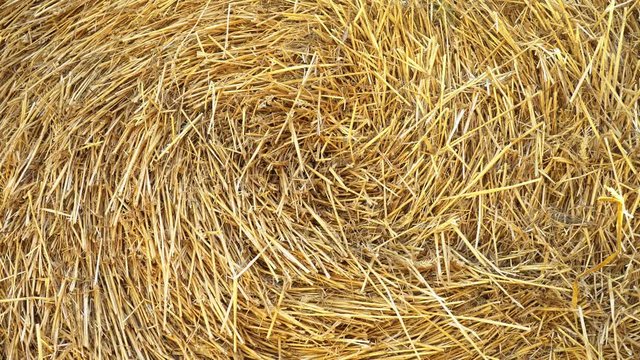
x: 329, y: 179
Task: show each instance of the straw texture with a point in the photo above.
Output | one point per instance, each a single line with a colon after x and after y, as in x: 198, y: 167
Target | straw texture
x: 319, y: 179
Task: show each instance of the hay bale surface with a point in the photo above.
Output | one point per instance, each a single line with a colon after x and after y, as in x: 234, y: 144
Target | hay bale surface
x: 319, y: 179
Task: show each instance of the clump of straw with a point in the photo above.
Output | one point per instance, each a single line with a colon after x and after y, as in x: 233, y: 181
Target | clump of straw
x: 341, y: 179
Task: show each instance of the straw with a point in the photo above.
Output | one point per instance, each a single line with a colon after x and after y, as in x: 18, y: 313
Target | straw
x: 324, y: 179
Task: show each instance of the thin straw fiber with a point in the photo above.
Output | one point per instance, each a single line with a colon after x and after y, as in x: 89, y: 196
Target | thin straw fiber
x: 328, y: 179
